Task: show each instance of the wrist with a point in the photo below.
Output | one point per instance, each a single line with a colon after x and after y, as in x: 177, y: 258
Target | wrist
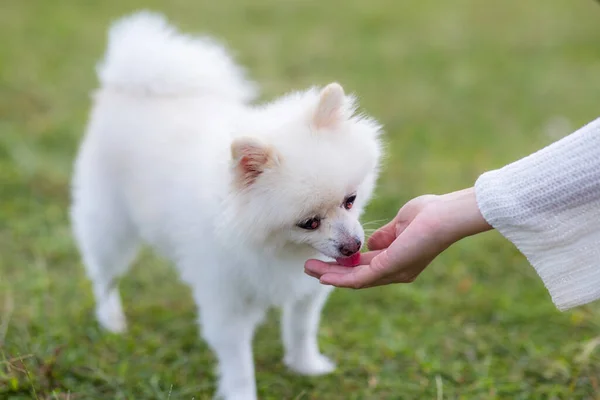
x: 462, y: 215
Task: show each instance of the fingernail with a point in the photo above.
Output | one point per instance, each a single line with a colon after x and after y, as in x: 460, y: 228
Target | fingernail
x: 398, y: 226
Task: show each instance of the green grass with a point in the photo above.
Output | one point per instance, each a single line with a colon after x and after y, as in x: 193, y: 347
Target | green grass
x: 461, y: 86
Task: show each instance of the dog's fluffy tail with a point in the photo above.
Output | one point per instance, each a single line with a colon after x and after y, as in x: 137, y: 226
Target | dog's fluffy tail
x: 146, y: 55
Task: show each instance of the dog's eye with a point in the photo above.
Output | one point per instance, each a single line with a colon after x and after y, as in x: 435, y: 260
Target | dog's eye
x: 310, y: 224
x: 349, y: 202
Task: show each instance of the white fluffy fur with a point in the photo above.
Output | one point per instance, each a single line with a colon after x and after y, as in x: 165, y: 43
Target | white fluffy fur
x: 156, y: 167
x: 148, y: 56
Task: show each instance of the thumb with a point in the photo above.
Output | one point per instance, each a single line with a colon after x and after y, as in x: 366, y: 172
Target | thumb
x: 383, y: 237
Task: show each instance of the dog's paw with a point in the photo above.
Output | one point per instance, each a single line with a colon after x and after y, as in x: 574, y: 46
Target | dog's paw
x: 312, y: 365
x: 114, y: 323
x: 235, y: 395
x: 110, y: 316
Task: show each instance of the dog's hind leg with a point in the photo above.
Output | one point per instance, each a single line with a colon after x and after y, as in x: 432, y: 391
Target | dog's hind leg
x: 108, y: 243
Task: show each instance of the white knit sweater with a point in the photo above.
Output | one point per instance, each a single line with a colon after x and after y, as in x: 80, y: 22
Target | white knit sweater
x: 548, y: 205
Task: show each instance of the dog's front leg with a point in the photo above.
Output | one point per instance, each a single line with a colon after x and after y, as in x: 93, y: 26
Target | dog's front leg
x: 229, y: 332
x: 299, y: 328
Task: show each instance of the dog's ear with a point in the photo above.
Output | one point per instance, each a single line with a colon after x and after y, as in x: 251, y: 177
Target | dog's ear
x: 329, y: 110
x: 251, y: 157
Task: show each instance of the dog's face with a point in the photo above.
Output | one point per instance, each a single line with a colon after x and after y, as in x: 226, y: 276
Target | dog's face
x: 304, y: 185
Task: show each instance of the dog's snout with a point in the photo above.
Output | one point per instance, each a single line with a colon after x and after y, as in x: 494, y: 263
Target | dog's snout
x: 351, y: 247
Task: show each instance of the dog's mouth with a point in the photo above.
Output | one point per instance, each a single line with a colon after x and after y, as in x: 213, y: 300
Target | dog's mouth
x: 351, y: 261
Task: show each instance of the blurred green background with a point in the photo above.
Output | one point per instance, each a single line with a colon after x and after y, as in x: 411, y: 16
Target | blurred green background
x: 461, y: 87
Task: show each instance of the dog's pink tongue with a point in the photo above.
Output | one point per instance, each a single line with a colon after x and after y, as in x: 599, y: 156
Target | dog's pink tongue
x: 351, y: 261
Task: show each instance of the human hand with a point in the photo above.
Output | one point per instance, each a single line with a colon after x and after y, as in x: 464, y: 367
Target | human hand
x: 400, y: 250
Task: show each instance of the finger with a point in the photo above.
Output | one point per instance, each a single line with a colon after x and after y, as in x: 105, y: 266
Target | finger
x: 382, y: 281
x: 311, y: 273
x: 383, y: 237
x: 358, y: 277
x: 367, y: 257
x: 388, y: 280
x: 316, y: 268
x: 339, y: 281
x: 377, y: 273
x: 322, y: 267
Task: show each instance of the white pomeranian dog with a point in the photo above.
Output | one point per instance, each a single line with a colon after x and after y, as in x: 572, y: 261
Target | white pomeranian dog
x: 237, y: 196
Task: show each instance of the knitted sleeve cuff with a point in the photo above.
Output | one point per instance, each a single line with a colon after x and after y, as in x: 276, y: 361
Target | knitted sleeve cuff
x: 548, y: 206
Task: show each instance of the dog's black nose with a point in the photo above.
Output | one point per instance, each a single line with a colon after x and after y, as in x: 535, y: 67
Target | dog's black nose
x: 349, y: 248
